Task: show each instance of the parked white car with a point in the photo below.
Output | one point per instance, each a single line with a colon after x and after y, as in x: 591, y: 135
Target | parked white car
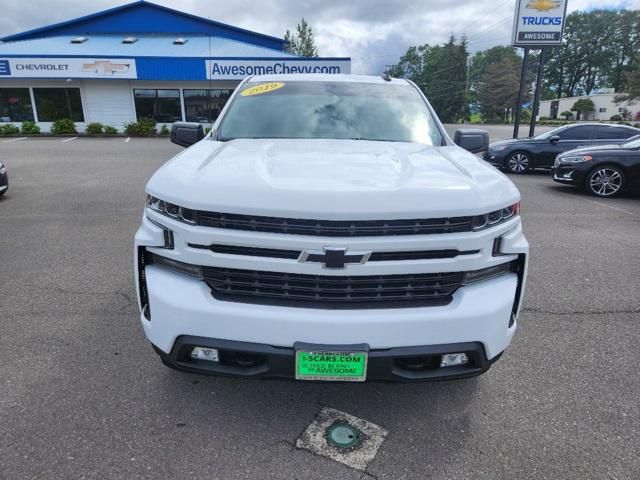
x: 329, y: 229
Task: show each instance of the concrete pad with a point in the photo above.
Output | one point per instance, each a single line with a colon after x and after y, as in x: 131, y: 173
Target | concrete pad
x: 358, y: 457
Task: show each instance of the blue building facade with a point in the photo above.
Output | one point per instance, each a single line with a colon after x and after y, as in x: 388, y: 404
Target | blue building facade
x: 139, y: 60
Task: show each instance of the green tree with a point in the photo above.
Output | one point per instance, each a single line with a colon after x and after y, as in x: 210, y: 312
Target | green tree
x: 497, y: 90
x: 632, y: 88
x: 631, y: 84
x: 412, y: 64
x: 302, y: 41
x: 567, y: 115
x: 624, y: 43
x: 599, y: 48
x: 441, y: 72
x: 481, y: 60
x: 583, y: 105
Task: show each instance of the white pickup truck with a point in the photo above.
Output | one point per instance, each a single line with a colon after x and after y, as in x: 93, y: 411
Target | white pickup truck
x: 329, y: 229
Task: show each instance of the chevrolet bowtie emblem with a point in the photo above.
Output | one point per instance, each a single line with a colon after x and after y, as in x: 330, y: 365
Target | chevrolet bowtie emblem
x: 331, y: 257
x: 543, y: 5
x: 105, y: 67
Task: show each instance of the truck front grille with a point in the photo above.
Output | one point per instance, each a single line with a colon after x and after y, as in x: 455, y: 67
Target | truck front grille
x: 334, y: 228
x: 315, y: 291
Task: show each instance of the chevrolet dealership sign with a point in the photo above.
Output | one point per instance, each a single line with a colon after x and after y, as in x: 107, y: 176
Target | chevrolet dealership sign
x: 239, y: 69
x: 68, y: 68
x: 539, y: 23
x: 150, y: 69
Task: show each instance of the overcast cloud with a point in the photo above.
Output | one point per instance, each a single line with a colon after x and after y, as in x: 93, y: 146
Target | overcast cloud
x: 372, y: 32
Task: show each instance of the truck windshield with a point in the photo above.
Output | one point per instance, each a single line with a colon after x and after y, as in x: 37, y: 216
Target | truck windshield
x: 330, y: 110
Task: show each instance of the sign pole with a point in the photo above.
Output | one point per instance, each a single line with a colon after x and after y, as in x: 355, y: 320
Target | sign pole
x: 536, y: 97
x: 523, y: 81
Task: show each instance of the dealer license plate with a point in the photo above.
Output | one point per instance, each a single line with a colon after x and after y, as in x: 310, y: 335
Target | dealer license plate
x: 331, y: 366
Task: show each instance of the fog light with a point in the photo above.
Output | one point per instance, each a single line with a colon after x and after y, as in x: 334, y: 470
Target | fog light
x: 454, y: 359
x: 568, y: 175
x: 203, y: 353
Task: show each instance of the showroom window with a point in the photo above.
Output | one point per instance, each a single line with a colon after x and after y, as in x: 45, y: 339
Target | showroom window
x: 56, y: 103
x: 204, y: 106
x: 15, y: 105
x: 161, y: 105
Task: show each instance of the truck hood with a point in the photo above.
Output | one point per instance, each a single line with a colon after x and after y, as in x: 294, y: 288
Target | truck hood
x: 332, y: 179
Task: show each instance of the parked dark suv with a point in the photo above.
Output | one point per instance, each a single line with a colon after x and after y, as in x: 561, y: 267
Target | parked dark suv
x: 522, y: 155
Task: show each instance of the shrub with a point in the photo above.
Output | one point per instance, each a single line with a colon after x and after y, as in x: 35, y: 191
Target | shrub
x: 142, y: 128
x: 164, y: 130
x: 109, y: 130
x: 207, y: 130
x: 475, y: 118
x: 525, y: 115
x: 95, y: 128
x: 9, y: 129
x: 616, y: 118
x: 62, y: 126
x: 567, y: 115
x: 30, y: 128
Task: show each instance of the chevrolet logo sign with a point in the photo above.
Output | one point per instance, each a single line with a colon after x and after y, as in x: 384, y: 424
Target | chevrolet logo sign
x: 543, y: 5
x: 331, y: 257
x: 105, y: 67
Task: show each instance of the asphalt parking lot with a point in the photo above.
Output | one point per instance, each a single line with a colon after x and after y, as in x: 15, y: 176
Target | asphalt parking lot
x: 82, y: 395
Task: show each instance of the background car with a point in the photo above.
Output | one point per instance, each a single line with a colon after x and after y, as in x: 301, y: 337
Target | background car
x: 521, y: 155
x: 603, y: 171
x: 4, y: 179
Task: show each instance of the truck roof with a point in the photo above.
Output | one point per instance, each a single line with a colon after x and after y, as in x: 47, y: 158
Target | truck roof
x: 319, y: 77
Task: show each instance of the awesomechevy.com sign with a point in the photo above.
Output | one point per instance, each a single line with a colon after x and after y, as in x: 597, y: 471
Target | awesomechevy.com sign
x: 68, y: 68
x: 539, y: 23
x: 239, y: 69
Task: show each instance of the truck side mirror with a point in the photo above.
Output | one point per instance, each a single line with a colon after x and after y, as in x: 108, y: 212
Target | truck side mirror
x: 186, y: 134
x: 473, y: 140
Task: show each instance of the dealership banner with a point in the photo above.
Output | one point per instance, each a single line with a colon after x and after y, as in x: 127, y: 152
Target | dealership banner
x: 68, y: 68
x: 538, y: 23
x: 239, y: 69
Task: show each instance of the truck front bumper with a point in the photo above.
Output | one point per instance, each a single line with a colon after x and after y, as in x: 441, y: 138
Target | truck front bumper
x: 480, y: 321
x: 404, y: 364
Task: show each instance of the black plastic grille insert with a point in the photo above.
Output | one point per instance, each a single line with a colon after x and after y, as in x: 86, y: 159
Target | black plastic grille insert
x: 316, y: 291
x: 334, y: 228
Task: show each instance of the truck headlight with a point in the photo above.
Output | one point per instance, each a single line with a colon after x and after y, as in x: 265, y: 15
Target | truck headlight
x: 575, y: 159
x: 171, y: 210
x: 480, y: 222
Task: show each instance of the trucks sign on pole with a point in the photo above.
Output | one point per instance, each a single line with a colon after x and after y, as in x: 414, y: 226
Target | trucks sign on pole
x: 539, y: 23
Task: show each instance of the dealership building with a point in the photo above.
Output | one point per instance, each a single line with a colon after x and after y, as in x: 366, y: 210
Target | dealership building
x: 604, y: 102
x: 135, y: 61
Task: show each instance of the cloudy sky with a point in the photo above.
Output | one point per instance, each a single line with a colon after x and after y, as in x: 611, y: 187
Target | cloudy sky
x: 372, y: 32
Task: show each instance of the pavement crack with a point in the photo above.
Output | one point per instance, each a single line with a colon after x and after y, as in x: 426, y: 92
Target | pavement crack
x: 67, y: 291
x: 369, y: 476
x: 579, y: 312
x: 291, y: 445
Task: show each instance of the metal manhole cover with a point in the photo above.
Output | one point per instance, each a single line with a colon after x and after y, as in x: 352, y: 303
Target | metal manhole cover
x: 342, y: 435
x: 328, y: 436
